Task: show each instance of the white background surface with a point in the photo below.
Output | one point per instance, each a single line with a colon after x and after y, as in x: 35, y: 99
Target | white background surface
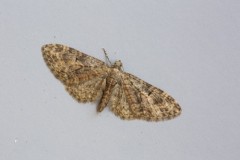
x: 188, y: 48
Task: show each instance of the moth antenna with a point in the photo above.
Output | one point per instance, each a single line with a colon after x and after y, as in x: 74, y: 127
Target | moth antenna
x: 106, y: 56
x: 122, y: 68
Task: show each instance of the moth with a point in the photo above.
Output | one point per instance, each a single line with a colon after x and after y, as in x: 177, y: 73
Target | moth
x: 88, y: 79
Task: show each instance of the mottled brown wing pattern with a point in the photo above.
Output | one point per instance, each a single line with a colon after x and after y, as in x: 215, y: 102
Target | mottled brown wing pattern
x: 83, y: 75
x: 87, y: 79
x: 136, y: 99
x: 87, y: 91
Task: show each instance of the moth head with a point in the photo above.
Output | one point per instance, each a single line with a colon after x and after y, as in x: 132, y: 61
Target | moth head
x: 118, y: 64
